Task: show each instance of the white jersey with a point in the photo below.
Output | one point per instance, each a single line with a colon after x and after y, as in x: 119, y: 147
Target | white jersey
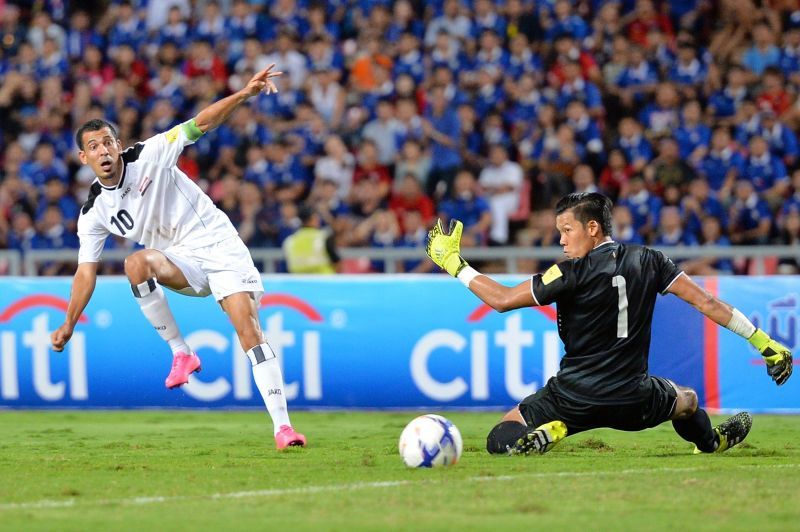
x: 154, y: 203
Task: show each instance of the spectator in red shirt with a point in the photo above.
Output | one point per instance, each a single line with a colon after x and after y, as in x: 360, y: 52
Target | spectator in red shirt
x: 647, y: 18
x: 408, y: 196
x: 616, y: 174
x: 203, y: 62
x: 369, y: 168
x: 774, y: 96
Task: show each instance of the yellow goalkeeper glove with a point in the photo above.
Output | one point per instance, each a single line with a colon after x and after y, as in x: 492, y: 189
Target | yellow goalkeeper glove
x: 445, y: 250
x: 776, y: 355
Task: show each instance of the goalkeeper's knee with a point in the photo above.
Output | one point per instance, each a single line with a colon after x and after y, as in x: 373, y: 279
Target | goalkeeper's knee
x: 503, y: 436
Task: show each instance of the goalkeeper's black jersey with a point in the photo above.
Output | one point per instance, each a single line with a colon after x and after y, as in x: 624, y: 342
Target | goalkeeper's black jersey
x: 605, y: 306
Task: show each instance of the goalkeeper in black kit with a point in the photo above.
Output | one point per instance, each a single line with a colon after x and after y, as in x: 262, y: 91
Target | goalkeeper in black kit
x: 605, y: 294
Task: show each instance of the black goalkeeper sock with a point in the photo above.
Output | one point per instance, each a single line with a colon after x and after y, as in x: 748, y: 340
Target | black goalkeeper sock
x: 698, y: 430
x: 504, y: 435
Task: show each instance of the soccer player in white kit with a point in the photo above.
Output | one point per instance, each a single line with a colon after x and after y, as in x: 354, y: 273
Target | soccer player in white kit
x: 191, y: 246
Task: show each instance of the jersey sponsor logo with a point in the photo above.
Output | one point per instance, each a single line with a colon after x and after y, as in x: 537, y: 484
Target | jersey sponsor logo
x: 553, y: 273
x: 172, y: 134
x: 125, y: 193
x: 43, y: 363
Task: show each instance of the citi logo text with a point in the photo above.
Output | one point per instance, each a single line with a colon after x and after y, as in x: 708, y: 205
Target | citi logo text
x: 37, y: 341
x: 512, y: 340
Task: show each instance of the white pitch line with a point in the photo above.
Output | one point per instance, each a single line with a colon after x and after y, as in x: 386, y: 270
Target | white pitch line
x: 307, y: 490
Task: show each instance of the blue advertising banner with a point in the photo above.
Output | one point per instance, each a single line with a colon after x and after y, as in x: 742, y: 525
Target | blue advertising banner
x: 352, y: 342
x: 773, y: 304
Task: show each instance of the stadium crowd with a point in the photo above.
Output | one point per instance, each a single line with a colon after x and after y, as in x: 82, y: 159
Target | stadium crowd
x: 391, y: 113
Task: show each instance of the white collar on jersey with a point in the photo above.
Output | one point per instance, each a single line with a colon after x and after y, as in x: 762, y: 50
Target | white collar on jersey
x: 603, y: 243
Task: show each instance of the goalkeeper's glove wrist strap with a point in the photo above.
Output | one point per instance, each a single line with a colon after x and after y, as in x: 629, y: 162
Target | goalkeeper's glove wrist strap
x: 759, y: 340
x: 740, y: 324
x: 466, y: 274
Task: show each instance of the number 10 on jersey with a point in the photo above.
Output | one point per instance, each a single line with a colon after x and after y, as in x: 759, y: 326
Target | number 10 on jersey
x: 124, y: 221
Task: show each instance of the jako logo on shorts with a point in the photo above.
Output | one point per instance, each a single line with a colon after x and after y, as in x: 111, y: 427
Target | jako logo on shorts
x: 512, y: 339
x: 33, y: 358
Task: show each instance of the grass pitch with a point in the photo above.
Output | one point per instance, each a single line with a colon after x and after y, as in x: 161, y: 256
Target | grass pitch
x: 203, y: 470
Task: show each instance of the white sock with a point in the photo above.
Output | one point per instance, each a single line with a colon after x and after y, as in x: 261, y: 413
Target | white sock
x: 155, y: 308
x: 267, y: 374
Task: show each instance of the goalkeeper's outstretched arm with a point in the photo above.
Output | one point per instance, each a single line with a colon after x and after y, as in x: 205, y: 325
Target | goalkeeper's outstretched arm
x: 777, y: 356
x: 219, y: 111
x: 445, y: 251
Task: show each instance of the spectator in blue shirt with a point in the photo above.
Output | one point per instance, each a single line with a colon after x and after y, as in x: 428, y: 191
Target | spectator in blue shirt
x: 55, y: 193
x: 693, y: 136
x: 644, y: 206
x: 724, y: 103
x: 790, y: 54
x: 622, y: 224
x: 176, y: 30
x: 723, y: 165
x: 565, y: 22
x: 128, y: 29
x: 688, y: 72
x: 491, y: 54
x: 750, y: 219
x: 576, y: 88
x: 466, y: 205
x: 765, y: 171
x: 712, y: 235
x: 670, y: 229
x: 748, y: 123
x: 211, y: 27
x: 633, y: 144
x: 638, y: 80
x: 404, y: 21
x: 699, y: 203
x: 443, y: 129
x: 587, y: 132
x: 521, y: 59
x: 763, y: 53
x: 782, y: 140
x: 409, y: 58
x: 415, y: 235
x: 662, y: 117
x: 792, y: 203
x: 285, y: 178
x: 44, y: 166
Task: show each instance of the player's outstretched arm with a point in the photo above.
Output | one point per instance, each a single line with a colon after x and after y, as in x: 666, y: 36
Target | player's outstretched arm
x: 219, y: 111
x: 445, y: 251
x: 777, y: 356
x: 82, y: 289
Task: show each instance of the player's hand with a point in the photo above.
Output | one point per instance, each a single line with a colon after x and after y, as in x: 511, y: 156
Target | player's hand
x: 262, y: 81
x: 445, y: 249
x: 776, y: 355
x: 60, y: 337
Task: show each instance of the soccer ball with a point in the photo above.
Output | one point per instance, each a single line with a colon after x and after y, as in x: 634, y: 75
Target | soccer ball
x: 430, y: 441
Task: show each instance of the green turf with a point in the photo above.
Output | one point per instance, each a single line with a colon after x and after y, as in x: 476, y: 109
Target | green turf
x: 98, y: 463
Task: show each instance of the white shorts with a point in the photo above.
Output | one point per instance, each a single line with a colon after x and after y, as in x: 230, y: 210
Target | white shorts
x: 221, y: 269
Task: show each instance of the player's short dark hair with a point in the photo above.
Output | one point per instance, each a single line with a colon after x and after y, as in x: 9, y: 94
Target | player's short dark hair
x: 95, y: 124
x: 587, y: 206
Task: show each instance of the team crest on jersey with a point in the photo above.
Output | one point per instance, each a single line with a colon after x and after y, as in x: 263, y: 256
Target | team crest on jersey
x: 172, y: 134
x: 553, y: 273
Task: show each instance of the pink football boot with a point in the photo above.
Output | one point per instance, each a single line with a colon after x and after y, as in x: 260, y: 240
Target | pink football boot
x: 287, y: 436
x: 183, y: 365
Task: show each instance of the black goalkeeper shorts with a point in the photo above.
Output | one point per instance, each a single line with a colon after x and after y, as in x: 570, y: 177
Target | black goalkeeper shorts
x: 656, y: 406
